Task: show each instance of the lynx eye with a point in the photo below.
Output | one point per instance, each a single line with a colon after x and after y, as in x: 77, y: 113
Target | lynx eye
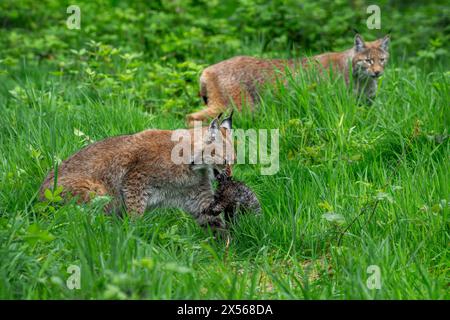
x: 382, y: 59
x: 369, y: 61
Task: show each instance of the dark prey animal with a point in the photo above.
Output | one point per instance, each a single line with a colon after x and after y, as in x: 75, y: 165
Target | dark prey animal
x: 232, y: 197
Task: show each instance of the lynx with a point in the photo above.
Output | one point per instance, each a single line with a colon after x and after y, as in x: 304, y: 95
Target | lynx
x: 139, y: 173
x: 237, y: 80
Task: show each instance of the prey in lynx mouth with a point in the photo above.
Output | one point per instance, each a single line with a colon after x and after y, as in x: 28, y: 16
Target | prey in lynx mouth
x: 232, y: 197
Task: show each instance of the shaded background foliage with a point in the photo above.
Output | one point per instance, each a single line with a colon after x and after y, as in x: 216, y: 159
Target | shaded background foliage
x: 171, y: 29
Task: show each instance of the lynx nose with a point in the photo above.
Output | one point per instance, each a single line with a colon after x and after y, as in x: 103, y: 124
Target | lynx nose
x: 376, y: 73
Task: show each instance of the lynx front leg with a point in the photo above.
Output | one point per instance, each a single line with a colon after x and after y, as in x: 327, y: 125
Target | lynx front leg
x: 212, y: 95
x: 134, y: 204
x: 135, y: 198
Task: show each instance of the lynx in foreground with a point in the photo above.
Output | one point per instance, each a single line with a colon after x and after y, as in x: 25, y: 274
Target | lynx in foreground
x: 238, y: 79
x: 139, y: 173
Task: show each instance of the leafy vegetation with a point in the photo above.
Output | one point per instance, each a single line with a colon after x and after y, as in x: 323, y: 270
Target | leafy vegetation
x: 357, y: 186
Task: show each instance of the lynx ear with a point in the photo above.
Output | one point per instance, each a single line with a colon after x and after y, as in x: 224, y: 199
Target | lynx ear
x: 228, y: 122
x: 212, y: 129
x: 359, y: 43
x: 384, y: 42
x: 214, y: 125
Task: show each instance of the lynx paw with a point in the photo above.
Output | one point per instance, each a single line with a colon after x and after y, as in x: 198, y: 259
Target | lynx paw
x: 192, y: 118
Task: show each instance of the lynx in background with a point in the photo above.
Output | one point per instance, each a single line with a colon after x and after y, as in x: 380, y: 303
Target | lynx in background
x: 238, y: 79
x: 137, y: 171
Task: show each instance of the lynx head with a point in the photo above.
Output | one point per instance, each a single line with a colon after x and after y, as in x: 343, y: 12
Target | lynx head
x: 370, y: 57
x: 216, y: 148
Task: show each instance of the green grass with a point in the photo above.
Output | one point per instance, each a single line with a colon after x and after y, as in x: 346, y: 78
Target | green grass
x: 383, y: 170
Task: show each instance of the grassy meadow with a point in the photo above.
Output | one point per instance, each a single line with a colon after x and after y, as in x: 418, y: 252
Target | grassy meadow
x: 358, y: 185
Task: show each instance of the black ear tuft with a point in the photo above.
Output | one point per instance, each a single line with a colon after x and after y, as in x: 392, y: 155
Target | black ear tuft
x: 214, y: 125
x: 228, y: 122
x: 359, y: 43
x: 385, y: 42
